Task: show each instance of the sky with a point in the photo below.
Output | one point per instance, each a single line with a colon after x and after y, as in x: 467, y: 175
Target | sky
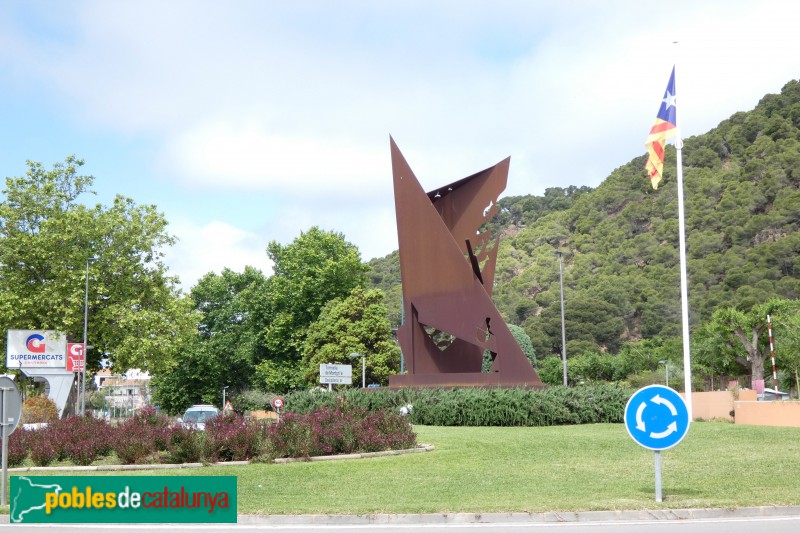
x: 247, y: 122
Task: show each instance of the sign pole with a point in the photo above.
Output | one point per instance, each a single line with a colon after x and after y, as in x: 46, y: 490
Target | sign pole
x: 657, y: 418
x: 3, y: 425
x: 659, y: 498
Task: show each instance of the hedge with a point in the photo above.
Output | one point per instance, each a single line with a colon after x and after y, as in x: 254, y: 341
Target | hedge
x: 480, y: 407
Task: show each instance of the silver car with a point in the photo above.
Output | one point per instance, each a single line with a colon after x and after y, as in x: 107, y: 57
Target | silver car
x: 197, y: 415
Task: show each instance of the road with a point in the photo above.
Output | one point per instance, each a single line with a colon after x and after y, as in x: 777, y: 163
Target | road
x: 788, y: 524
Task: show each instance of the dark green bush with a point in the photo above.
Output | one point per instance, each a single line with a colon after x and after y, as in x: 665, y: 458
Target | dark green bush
x: 185, y: 445
x: 480, y: 407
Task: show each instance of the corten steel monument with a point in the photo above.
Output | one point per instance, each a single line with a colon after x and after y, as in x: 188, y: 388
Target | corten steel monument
x: 447, y: 269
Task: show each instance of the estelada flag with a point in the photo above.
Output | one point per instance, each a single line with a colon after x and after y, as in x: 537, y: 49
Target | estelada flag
x: 664, y: 127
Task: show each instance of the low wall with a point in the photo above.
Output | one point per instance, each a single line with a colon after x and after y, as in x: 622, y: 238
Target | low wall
x: 711, y: 405
x: 768, y: 413
x: 717, y: 404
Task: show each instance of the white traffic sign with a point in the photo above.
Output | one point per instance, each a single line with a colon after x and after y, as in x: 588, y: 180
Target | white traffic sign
x: 336, y: 374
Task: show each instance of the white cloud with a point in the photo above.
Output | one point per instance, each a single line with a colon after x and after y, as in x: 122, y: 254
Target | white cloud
x: 252, y: 159
x: 295, y: 102
x: 212, y: 247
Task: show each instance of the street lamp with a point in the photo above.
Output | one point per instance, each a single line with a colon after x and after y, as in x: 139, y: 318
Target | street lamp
x: 666, y: 367
x: 563, y: 329
x: 363, y: 368
x: 91, y: 259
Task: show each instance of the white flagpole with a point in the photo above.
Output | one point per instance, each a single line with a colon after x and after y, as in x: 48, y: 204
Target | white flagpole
x: 687, y: 359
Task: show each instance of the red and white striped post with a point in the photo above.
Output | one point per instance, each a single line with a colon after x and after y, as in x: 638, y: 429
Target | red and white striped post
x: 772, y: 353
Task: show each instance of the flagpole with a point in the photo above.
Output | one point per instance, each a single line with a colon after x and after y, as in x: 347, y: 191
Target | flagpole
x: 687, y: 359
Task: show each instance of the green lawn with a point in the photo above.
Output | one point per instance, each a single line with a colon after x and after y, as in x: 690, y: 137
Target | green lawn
x: 564, y: 468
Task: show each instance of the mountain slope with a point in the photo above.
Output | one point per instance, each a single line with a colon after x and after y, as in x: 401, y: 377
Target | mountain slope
x: 620, y: 240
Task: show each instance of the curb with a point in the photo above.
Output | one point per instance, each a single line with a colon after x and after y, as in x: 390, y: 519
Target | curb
x: 646, y: 515
x: 552, y: 517
x: 105, y: 468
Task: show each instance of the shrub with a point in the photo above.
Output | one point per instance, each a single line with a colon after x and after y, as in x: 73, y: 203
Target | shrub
x: 185, y: 445
x: 81, y: 439
x: 133, y: 442
x: 43, y: 451
x: 141, y: 436
x: 18, y: 443
x: 87, y: 439
x: 253, y: 400
x: 38, y: 409
x: 291, y: 437
x: 230, y: 437
x: 480, y: 407
x: 329, y: 431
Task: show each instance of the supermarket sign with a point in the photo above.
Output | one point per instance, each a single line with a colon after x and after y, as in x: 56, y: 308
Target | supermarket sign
x: 31, y: 348
x: 123, y: 499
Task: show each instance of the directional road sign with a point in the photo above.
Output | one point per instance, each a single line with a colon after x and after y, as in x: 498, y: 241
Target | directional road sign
x: 336, y: 374
x: 656, y: 417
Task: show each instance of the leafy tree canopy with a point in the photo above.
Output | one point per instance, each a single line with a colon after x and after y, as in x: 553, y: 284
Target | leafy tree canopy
x: 136, y: 315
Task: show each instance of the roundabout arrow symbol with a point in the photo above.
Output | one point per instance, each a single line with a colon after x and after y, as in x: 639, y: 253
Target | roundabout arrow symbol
x: 639, y: 421
x: 672, y: 428
x: 668, y: 404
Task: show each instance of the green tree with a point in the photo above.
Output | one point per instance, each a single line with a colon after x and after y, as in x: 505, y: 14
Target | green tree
x: 136, y: 315
x: 225, y: 351
x: 314, y: 269
x: 525, y: 345
x: 745, y: 332
x: 356, y: 324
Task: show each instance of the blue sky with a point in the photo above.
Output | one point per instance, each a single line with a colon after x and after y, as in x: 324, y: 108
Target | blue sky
x: 251, y: 121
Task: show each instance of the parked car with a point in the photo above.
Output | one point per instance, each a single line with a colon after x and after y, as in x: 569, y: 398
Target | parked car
x: 197, y: 415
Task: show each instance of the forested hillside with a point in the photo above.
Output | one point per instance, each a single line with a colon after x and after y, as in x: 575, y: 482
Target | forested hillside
x: 620, y: 240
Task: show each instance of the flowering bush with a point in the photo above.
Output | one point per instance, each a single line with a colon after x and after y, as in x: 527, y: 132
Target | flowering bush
x: 133, y: 442
x: 330, y: 431
x: 37, y: 409
x: 291, y: 437
x: 18, y: 443
x: 185, y: 445
x: 148, y: 438
x: 43, y: 451
x: 81, y: 439
x: 230, y: 437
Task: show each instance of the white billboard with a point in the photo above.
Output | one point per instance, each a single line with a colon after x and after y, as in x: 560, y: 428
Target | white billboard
x: 33, y: 348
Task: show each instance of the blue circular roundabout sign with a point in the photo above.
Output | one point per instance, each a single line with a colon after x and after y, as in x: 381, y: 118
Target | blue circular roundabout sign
x: 656, y: 417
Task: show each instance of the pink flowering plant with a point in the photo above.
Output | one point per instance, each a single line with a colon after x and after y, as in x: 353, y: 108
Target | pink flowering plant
x: 339, y: 430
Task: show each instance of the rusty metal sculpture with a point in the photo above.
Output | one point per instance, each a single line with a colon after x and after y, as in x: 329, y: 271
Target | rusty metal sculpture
x: 447, y: 269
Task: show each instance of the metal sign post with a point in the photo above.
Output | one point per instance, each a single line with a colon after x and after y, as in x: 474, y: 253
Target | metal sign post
x: 657, y: 418
x: 277, y: 403
x: 3, y: 424
x: 10, y: 411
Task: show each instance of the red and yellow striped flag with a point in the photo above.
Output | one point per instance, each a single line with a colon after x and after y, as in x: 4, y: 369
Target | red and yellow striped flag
x: 664, y: 127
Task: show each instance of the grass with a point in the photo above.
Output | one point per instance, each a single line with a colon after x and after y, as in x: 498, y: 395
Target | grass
x: 567, y: 468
